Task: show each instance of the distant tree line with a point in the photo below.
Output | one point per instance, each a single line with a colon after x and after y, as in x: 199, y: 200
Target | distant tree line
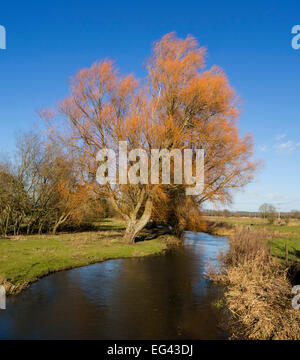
x: 266, y: 211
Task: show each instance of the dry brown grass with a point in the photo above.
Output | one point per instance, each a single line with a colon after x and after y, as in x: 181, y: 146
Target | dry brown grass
x: 258, y: 293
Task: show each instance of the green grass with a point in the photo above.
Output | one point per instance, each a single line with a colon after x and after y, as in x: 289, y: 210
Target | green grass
x: 282, y: 235
x: 24, y: 259
x: 109, y: 224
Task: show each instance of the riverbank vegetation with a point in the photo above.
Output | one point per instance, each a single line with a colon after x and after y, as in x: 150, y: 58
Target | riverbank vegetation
x: 25, y: 259
x: 283, y: 238
x: 258, y: 291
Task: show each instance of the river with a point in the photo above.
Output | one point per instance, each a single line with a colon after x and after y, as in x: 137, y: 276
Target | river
x: 156, y: 297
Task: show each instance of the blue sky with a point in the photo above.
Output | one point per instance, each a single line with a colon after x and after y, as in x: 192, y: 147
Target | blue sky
x: 49, y: 41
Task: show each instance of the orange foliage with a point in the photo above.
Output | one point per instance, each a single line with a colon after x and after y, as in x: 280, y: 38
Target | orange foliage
x: 180, y: 105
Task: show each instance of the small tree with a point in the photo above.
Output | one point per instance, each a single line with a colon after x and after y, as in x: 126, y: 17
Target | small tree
x: 286, y: 218
x: 268, y: 211
x: 47, y: 187
x: 271, y: 217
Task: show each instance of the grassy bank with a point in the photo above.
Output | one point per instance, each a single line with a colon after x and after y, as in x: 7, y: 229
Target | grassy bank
x: 281, y: 235
x: 25, y: 259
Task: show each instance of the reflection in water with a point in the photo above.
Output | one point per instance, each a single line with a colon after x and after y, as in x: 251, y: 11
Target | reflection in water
x: 158, y: 297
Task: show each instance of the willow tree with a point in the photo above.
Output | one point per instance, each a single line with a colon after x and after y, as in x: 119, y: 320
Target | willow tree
x: 179, y: 105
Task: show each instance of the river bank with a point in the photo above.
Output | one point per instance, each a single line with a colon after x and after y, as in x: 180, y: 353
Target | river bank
x: 257, y: 290
x: 26, y: 259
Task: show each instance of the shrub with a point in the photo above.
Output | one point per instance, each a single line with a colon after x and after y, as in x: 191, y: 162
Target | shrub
x: 271, y: 217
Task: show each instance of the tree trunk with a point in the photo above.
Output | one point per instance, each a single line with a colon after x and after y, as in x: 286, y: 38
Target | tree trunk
x: 60, y: 221
x: 134, y: 226
x: 55, y: 228
x: 40, y: 228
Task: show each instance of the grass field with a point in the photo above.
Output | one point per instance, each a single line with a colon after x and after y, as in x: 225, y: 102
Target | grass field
x: 24, y: 259
x: 281, y: 235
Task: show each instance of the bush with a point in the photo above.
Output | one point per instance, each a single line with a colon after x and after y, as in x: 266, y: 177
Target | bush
x: 271, y: 217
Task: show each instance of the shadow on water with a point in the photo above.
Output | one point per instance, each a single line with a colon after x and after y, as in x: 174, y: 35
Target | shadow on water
x: 158, y: 297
